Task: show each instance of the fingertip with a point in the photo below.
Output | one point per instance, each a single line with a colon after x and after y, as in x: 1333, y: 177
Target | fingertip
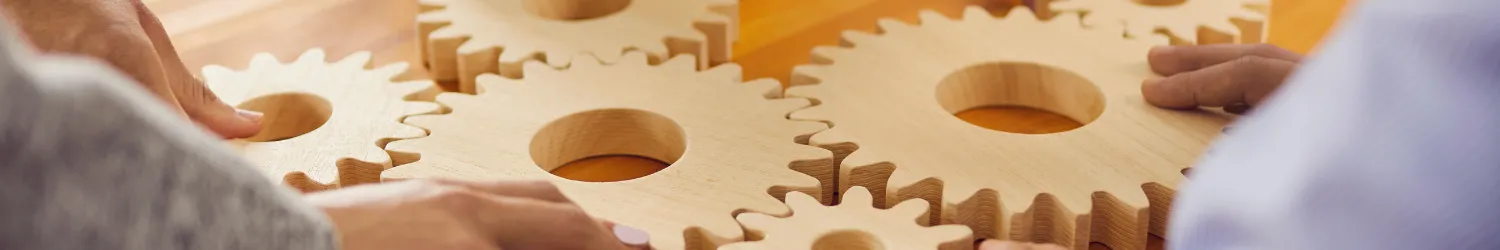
x: 1159, y: 57
x: 997, y: 245
x: 1159, y: 93
x: 244, y: 123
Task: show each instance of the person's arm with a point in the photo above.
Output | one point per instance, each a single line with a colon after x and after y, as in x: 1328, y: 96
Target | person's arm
x: 88, y: 160
x: 1388, y: 139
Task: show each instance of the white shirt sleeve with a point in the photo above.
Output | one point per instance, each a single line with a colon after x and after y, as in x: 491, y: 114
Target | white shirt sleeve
x: 1389, y: 139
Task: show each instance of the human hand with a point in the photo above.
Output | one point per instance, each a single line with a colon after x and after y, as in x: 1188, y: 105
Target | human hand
x: 1233, y: 76
x: 126, y: 35
x: 1013, y: 245
x: 448, y: 214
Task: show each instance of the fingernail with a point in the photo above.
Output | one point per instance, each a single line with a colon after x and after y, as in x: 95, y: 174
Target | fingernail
x: 252, y: 116
x: 631, y: 237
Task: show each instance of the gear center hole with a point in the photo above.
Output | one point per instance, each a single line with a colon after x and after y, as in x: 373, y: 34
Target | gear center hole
x: 847, y: 240
x: 608, y: 145
x: 574, y: 10
x: 1161, y: 3
x: 1020, y: 98
x: 288, y: 115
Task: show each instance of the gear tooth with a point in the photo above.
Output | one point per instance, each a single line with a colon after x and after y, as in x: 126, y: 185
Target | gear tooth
x: 447, y: 33
x: 636, y: 58
x: 928, y: 16
x: 421, y: 108
x: 522, y: 55
x: 403, y: 131
x: 799, y: 201
x: 807, y: 74
x: 263, y: 61
x: 809, y: 128
x: 578, y: 63
x: 859, y: 196
x: 423, y: 121
x: 535, y: 68
x: 312, y: 56
x: 724, y: 72
x: 916, y: 208
x: 681, y: 62
x: 390, y: 71
x: 1020, y: 14
x: 828, y: 54
x: 408, y: 88
x: 357, y: 60
x: 888, y: 25
x: 813, y: 113
x: 1156, y: 39
x: 759, y: 220
x: 488, y: 83
x: 564, y: 60
x: 852, y: 38
x: 414, y: 170
x: 861, y: 157
x: 830, y: 136
x: 769, y: 88
x: 976, y: 13
x: 1139, y: 30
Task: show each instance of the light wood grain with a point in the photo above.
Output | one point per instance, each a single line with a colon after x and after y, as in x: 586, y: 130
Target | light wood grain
x: 465, y: 38
x: 325, y: 123
x: 730, y: 148
x: 891, y: 99
x: 854, y: 224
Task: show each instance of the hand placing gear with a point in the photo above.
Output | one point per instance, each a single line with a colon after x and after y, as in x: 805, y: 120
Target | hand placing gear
x: 126, y: 35
x: 1233, y: 76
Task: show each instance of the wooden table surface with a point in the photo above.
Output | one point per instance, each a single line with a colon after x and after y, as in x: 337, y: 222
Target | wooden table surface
x: 775, y: 36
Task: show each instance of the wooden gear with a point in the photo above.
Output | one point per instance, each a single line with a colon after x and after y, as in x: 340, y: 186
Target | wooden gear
x: 462, y: 39
x: 854, y: 224
x: 351, y: 111
x: 891, y: 99
x: 1187, y: 21
x: 727, y: 143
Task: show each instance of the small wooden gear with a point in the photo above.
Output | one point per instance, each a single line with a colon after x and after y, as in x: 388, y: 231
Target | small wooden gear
x: 891, y: 98
x: 1187, y: 21
x: 731, y: 149
x: 325, y: 123
x: 853, y: 224
x: 462, y: 39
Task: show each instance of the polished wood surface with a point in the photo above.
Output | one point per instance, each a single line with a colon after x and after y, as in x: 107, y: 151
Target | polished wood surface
x: 775, y: 36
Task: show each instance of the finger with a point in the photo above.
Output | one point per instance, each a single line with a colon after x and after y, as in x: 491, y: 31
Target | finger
x: 1246, y: 80
x: 1169, y: 60
x: 541, y: 190
x: 524, y: 223
x: 198, y: 102
x: 631, y: 237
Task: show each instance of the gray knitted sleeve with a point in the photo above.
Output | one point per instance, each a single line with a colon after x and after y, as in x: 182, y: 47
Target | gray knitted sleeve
x: 88, y: 161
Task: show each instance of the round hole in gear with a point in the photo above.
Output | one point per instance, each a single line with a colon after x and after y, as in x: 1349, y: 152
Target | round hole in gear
x: 574, y: 10
x: 1163, y: 3
x: 288, y: 115
x: 608, y: 145
x: 1020, y: 97
x: 847, y: 240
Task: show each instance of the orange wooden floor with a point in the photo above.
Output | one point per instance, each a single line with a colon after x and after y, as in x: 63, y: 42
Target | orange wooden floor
x: 775, y: 36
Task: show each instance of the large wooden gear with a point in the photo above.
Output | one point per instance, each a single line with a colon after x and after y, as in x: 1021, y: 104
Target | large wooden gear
x: 1188, y: 21
x: 853, y: 224
x: 731, y: 149
x: 462, y: 39
x: 351, y: 111
x: 891, y: 98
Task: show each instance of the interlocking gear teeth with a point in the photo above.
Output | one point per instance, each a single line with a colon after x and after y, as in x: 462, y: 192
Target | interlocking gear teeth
x: 738, y: 143
x: 854, y: 223
x: 463, y: 39
x: 364, y: 112
x: 1192, y: 21
x: 893, y: 130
